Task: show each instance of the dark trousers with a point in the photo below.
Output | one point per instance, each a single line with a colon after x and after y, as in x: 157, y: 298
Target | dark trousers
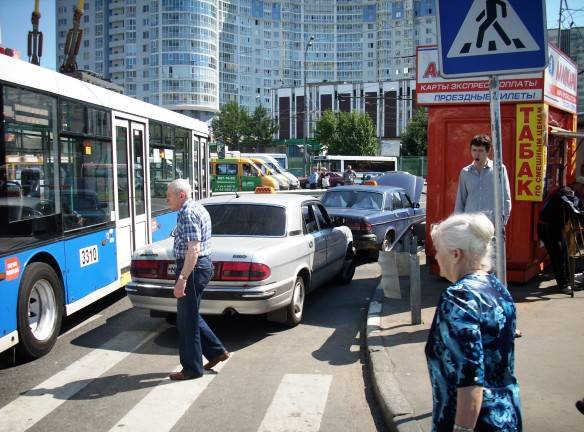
x: 557, y: 248
x: 195, y: 336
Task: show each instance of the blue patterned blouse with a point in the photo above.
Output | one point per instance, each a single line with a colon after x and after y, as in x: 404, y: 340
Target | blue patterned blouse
x: 471, y: 343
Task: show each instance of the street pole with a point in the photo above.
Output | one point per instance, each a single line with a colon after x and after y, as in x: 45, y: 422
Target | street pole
x: 496, y: 139
x: 305, y: 118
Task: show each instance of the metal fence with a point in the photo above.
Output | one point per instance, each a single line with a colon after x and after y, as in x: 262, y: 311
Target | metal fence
x: 416, y: 165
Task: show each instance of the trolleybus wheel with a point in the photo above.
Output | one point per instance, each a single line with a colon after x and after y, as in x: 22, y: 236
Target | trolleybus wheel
x: 40, y: 310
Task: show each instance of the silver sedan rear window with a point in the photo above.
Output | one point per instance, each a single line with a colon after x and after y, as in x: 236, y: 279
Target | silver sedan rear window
x: 254, y: 220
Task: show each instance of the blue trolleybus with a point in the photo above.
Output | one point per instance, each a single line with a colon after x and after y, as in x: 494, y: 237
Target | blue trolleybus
x: 83, y: 176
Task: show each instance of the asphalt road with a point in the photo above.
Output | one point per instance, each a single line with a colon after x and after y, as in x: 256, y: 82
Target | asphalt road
x: 108, y: 371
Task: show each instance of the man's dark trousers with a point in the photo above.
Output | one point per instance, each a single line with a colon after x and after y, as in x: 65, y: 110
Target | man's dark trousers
x: 195, y: 336
x: 557, y: 248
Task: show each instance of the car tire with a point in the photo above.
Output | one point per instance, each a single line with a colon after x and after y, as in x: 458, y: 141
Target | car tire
x: 40, y: 310
x: 348, y: 270
x: 387, y: 242
x: 406, y: 239
x: 295, y: 309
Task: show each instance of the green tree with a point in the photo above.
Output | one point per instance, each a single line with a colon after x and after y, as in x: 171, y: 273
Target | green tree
x: 325, y: 131
x: 231, y: 125
x: 415, y: 137
x: 260, y: 130
x: 345, y: 133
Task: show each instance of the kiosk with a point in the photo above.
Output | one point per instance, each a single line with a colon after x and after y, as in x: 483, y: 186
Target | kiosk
x: 539, y: 147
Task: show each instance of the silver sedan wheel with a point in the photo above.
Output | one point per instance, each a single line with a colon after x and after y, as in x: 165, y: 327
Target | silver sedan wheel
x: 298, y: 299
x: 42, y: 310
x: 296, y: 307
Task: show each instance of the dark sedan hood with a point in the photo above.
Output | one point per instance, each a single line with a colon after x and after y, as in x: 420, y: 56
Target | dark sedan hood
x: 411, y: 183
x: 351, y: 213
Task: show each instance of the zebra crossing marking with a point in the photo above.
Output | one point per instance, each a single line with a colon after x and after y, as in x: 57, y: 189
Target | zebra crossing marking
x: 298, y: 404
x: 34, y: 404
x: 165, y: 404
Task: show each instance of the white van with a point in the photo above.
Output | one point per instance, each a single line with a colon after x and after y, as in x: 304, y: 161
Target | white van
x: 275, y: 166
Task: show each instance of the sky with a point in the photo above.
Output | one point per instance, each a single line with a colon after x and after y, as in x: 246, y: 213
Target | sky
x: 15, y: 24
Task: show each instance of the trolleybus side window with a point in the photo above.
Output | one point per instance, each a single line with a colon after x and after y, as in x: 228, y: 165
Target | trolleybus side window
x: 168, y: 160
x: 86, y: 166
x: 28, y: 176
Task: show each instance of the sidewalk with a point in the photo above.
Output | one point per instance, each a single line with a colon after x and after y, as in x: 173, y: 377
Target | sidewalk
x: 549, y: 358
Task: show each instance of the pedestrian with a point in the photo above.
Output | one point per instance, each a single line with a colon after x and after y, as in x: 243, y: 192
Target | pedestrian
x: 313, y: 178
x: 325, y: 179
x: 555, y: 228
x: 192, y: 251
x: 349, y: 176
x: 476, y: 187
x: 470, y: 347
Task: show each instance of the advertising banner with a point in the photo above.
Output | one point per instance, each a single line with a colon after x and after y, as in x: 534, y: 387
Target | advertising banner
x: 432, y: 89
x: 531, y: 151
x: 561, y: 81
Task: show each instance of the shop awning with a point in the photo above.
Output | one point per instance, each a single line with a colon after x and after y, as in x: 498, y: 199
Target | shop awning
x: 565, y: 133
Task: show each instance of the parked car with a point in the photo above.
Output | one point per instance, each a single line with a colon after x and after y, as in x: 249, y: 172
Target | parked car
x: 370, y: 175
x: 379, y: 216
x: 268, y: 251
x: 335, y: 179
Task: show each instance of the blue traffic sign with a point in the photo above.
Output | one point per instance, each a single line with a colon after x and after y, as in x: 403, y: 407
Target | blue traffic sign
x: 491, y: 37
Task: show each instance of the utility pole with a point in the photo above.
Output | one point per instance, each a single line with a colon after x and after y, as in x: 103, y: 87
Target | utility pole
x: 560, y: 26
x: 305, y: 119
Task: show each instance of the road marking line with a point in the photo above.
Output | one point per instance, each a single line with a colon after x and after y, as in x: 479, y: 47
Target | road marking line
x: 26, y: 410
x: 298, y: 405
x: 84, y: 323
x: 165, y: 404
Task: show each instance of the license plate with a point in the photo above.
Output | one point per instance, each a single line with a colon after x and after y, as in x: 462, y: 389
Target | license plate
x: 171, y: 270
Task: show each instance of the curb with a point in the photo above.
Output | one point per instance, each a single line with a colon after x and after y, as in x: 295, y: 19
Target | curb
x: 397, y: 412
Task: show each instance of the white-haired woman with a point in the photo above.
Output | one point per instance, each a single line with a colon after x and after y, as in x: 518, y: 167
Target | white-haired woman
x: 470, y: 348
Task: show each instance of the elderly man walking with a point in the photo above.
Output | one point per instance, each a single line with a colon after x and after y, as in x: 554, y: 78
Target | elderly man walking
x: 192, y: 251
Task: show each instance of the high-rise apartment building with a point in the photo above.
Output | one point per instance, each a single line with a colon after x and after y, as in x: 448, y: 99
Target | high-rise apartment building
x: 193, y: 55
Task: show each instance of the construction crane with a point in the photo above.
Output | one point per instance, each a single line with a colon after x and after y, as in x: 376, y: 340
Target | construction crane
x: 35, y: 37
x: 73, y: 42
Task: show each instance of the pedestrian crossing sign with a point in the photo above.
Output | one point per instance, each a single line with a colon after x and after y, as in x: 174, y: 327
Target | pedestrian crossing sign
x: 491, y: 37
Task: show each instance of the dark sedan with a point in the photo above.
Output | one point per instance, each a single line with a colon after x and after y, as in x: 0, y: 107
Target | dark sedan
x: 378, y: 216
x: 335, y: 179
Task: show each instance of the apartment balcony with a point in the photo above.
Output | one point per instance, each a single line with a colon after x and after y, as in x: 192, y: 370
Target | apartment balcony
x: 117, y: 56
x: 117, y: 43
x: 117, y: 67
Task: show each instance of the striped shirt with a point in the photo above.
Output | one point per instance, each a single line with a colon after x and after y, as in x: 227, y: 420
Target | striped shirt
x: 193, y: 223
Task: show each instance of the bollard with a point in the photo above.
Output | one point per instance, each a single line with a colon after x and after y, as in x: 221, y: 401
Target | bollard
x: 389, y: 276
x: 415, y: 288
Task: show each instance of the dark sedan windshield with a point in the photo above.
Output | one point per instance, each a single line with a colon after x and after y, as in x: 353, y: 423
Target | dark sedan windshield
x: 247, y: 220
x: 353, y: 199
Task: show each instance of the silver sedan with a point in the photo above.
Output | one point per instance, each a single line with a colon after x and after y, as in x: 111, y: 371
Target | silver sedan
x: 268, y: 251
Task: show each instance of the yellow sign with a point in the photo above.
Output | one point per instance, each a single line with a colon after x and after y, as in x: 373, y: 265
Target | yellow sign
x: 531, y: 151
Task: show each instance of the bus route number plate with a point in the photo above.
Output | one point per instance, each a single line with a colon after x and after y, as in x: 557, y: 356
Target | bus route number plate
x: 88, y: 256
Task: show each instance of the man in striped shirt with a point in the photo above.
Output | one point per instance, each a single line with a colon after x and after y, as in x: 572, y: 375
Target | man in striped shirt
x: 192, y: 250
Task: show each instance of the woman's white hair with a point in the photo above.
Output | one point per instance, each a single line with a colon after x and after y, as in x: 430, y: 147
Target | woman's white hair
x: 180, y: 185
x: 472, y: 233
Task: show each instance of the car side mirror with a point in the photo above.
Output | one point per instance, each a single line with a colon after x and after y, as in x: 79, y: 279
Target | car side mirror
x: 338, y: 221
x: 416, y: 205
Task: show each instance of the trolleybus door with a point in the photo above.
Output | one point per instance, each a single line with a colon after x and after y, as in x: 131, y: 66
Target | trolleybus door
x: 196, y: 167
x: 205, y: 180
x: 132, y: 200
